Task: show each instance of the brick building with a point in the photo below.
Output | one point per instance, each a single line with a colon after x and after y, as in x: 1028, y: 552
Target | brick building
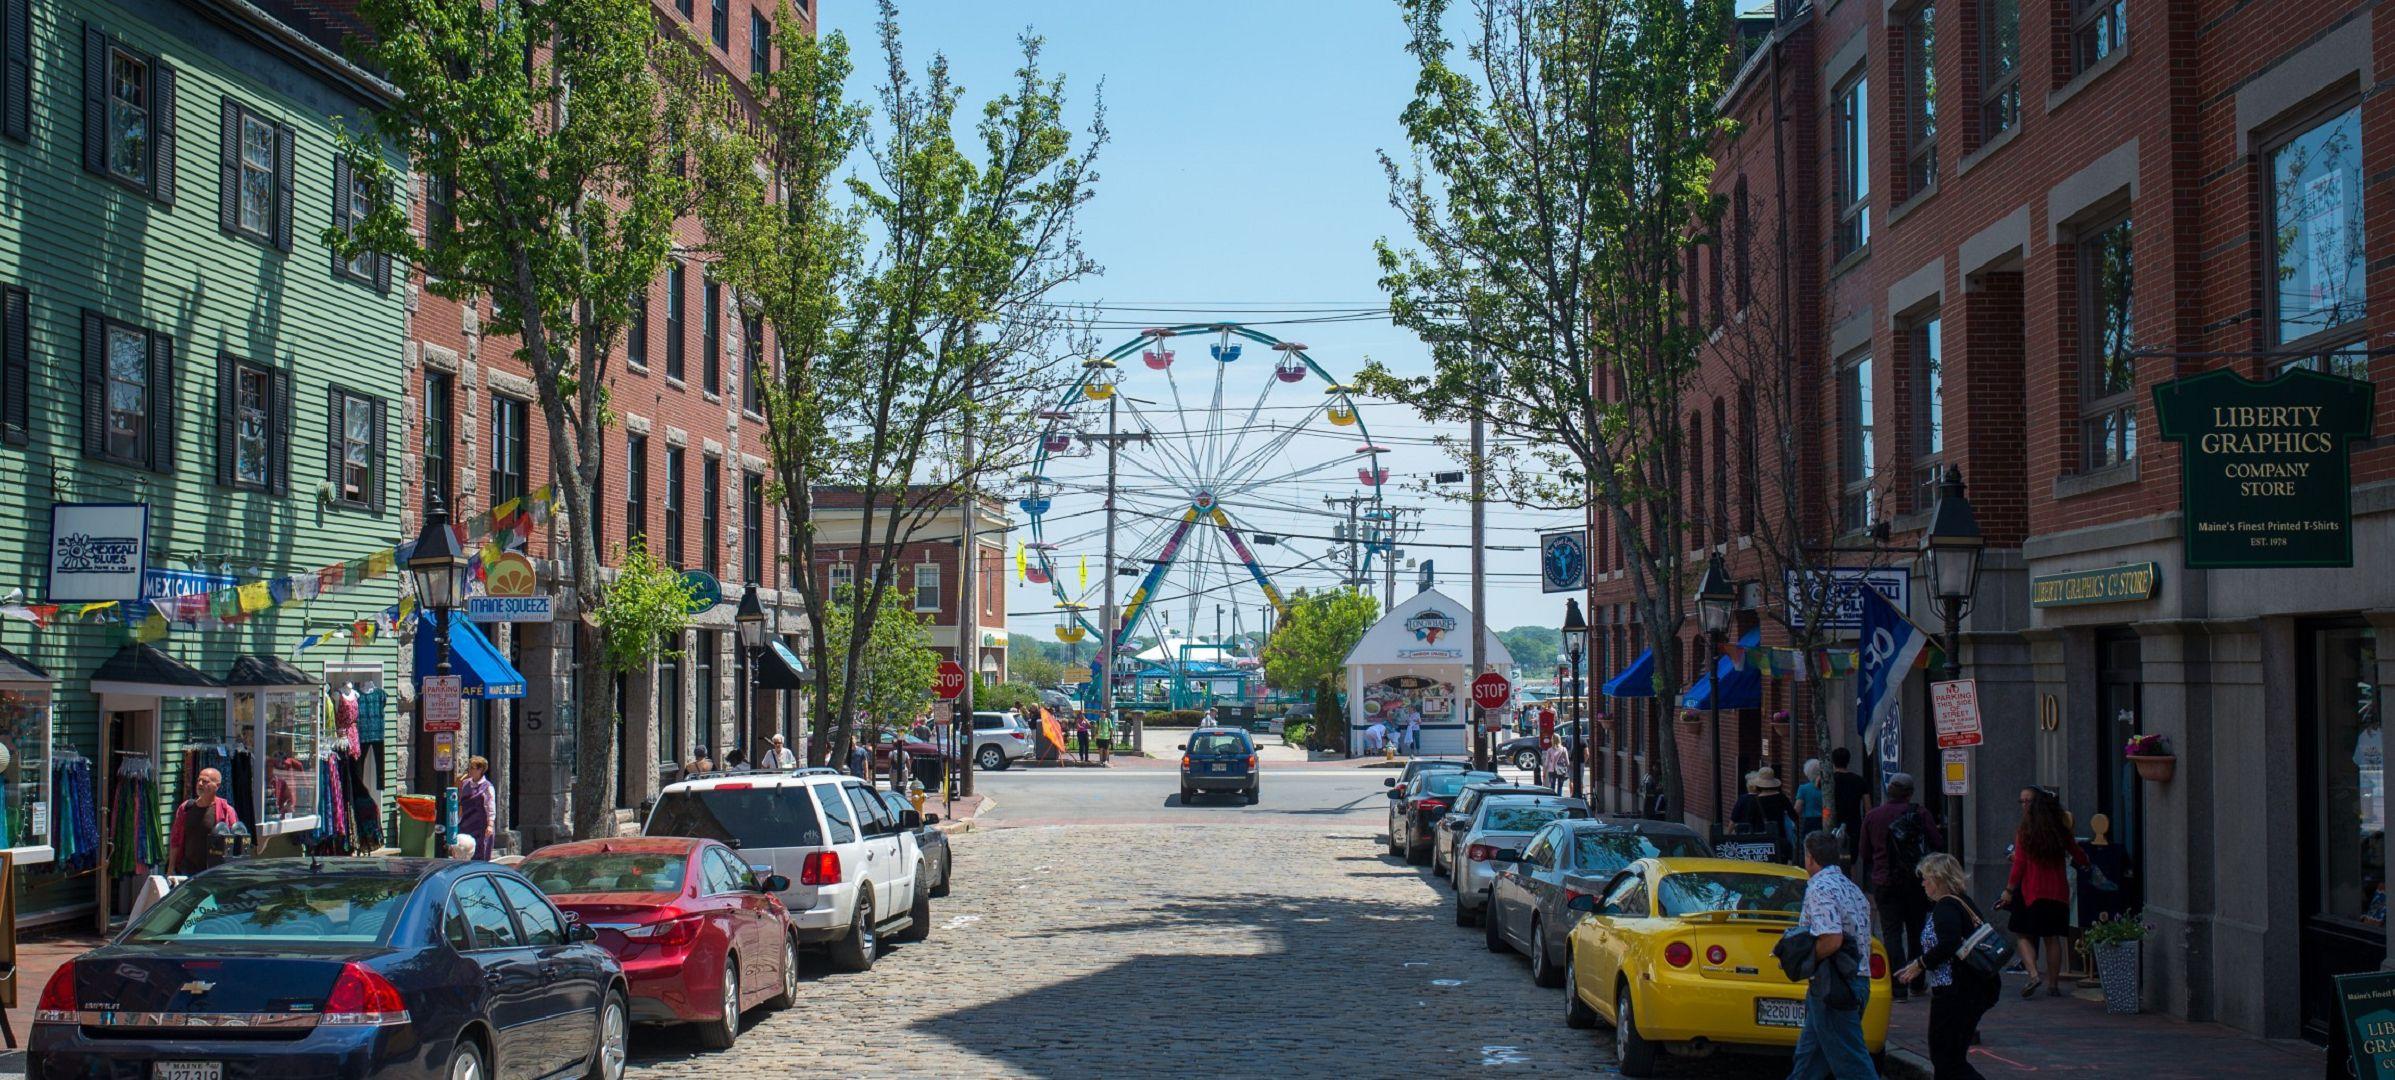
x: 927, y: 581
x: 686, y: 468
x: 2011, y: 221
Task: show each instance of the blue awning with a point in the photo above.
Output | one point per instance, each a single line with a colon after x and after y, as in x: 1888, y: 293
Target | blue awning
x: 1740, y: 688
x: 471, y: 655
x: 1637, y: 680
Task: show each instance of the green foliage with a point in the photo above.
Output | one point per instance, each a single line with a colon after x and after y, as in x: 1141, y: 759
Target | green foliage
x: 647, y: 606
x: 2118, y: 930
x: 1297, y: 733
x: 1310, y: 648
x: 895, y: 669
x: 999, y: 697
x: 1533, y: 647
x: 1031, y: 670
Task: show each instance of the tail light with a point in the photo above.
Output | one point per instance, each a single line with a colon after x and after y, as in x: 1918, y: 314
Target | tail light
x: 57, y: 1005
x: 1879, y: 966
x: 1251, y: 761
x: 361, y: 997
x: 1678, y: 954
x: 742, y: 786
x: 1479, y: 852
x: 1570, y: 895
x: 1184, y: 761
x: 820, y: 868
x: 1716, y: 955
x: 1430, y: 804
x: 672, y: 928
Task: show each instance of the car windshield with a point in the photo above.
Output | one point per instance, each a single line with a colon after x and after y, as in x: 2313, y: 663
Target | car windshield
x: 1606, y: 850
x: 1694, y: 893
x: 1518, y: 817
x: 776, y: 817
x: 1215, y: 743
x: 1448, y: 783
x: 607, y: 871
x: 346, y: 909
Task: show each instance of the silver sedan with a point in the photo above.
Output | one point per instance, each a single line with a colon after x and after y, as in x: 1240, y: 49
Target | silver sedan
x: 1500, y: 823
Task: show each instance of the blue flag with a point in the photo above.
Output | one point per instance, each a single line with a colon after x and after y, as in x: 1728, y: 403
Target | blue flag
x: 1884, y: 655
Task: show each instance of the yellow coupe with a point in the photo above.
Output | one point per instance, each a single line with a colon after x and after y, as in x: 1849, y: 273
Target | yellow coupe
x: 1676, y: 954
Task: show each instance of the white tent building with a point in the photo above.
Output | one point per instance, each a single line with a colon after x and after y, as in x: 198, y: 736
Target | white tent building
x: 1417, y: 661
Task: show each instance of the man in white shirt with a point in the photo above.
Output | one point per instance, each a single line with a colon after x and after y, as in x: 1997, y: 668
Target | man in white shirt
x: 780, y: 756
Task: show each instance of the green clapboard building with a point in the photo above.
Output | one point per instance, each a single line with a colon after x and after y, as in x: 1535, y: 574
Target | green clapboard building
x: 202, y: 396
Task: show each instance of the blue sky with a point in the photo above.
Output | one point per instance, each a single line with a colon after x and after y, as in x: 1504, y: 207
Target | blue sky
x: 1242, y: 174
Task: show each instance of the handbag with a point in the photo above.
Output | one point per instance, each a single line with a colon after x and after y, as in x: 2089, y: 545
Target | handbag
x: 1985, y: 952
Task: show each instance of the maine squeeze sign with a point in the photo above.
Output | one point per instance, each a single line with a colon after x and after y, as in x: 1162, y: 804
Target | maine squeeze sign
x: 2264, y: 474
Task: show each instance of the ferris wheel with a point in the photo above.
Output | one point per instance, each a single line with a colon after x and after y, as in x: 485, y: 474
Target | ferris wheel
x: 1257, y: 433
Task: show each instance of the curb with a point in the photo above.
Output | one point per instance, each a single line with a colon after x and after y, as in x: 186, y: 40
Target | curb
x: 967, y: 825
x: 1907, y: 1065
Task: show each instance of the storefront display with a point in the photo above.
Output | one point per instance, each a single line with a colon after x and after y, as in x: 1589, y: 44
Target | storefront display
x: 25, y: 732
x: 293, y: 739
x: 2345, y: 784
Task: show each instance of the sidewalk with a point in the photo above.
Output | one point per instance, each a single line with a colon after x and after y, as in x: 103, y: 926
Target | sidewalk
x: 37, y: 959
x: 2075, y: 1035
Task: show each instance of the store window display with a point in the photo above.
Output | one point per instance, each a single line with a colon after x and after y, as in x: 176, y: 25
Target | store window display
x: 25, y: 735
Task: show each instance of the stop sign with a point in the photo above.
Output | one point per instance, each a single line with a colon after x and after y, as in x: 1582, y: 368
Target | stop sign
x: 950, y: 683
x: 1491, y: 690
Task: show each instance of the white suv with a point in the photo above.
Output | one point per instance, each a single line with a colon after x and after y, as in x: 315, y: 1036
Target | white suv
x: 855, y: 869
x: 998, y: 739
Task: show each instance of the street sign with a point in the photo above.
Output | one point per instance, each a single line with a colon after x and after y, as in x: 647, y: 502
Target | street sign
x: 950, y: 683
x: 1955, y: 705
x: 705, y: 592
x: 1563, y: 561
x: 1491, y: 690
x: 1957, y: 767
x: 438, y: 707
x: 444, y: 751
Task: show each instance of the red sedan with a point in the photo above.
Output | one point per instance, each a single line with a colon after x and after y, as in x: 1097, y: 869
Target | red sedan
x: 701, y: 938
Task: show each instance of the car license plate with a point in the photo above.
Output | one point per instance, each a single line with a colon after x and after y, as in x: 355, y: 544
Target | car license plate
x: 1218, y: 768
x: 1780, y: 1012
x: 187, y: 1070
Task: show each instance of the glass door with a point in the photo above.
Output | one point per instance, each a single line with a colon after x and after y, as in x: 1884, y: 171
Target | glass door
x: 2344, y: 818
x: 2120, y: 795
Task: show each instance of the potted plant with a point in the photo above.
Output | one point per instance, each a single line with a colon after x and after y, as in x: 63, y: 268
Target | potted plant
x: 2114, y: 941
x: 2151, y: 754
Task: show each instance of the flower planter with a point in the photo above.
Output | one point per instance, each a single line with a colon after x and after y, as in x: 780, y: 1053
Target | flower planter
x: 2158, y: 768
x: 2116, y: 965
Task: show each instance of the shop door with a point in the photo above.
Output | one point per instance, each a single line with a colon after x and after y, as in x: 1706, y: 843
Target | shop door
x: 2120, y: 796
x: 2343, y: 817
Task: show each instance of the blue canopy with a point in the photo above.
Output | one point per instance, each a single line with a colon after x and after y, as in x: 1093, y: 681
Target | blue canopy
x: 486, y: 674
x: 1740, y: 688
x: 1637, y: 680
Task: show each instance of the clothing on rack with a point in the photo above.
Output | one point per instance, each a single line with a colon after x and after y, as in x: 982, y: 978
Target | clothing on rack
x: 134, y: 844
x: 370, y: 717
x: 365, y: 805
x: 77, y: 843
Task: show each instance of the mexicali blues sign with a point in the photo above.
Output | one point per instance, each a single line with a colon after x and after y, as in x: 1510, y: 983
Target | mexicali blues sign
x: 2264, y: 474
x: 98, y: 551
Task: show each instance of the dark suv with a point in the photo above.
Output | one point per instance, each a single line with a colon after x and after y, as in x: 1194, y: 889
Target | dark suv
x: 1220, y: 759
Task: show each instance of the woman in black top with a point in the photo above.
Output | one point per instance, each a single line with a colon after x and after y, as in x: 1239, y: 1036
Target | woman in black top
x: 1958, y: 995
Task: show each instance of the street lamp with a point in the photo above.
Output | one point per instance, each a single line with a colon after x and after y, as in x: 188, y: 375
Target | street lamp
x: 438, y: 565
x: 1575, y: 646
x: 1716, y: 602
x: 1952, y: 546
x: 749, y: 618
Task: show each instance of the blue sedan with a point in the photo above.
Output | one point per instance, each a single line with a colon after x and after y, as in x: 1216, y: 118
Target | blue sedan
x: 339, y: 968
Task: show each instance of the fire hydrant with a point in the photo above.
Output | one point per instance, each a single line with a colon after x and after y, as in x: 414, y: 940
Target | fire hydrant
x: 916, y: 794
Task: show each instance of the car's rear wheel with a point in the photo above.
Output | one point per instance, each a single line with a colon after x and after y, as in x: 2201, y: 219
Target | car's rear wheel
x: 615, y: 1027
x: 1492, y: 929
x: 1417, y: 854
x: 1543, y: 971
x: 722, y: 1031
x: 789, y: 994
x: 1188, y: 794
x: 1463, y: 916
x: 1255, y: 795
x: 991, y: 759
x: 1576, y: 1013
x: 857, y: 951
x: 1526, y: 760
x: 466, y: 1062
x: 919, y: 916
x: 1636, y: 1053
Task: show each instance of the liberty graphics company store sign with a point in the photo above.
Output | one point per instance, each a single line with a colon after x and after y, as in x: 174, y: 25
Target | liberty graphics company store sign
x: 2265, y: 477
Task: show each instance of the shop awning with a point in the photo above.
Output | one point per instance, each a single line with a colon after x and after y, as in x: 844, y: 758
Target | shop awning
x: 471, y: 655
x: 1637, y: 680
x: 144, y: 670
x: 1740, y: 688
x: 17, y: 669
x: 780, y: 669
x: 258, y: 670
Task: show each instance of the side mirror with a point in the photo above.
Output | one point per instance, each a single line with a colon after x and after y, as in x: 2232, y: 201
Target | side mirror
x: 1585, y: 903
x: 773, y: 883
x: 577, y: 930
x: 1388, y: 781
x: 1396, y: 795
x: 1180, y: 746
x: 910, y: 819
x: 931, y: 819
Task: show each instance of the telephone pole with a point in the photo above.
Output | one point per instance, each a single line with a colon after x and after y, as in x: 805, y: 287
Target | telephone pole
x: 1480, y: 592
x: 1355, y: 561
x: 968, y: 630
x: 1104, y: 671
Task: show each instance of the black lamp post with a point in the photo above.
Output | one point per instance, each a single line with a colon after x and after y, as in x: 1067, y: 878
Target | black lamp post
x: 1716, y: 602
x: 1951, y: 549
x: 749, y: 618
x: 438, y: 565
x: 1575, y: 646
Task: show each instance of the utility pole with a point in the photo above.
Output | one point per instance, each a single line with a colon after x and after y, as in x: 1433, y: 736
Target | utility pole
x: 1355, y: 561
x: 1480, y: 593
x: 968, y: 627
x: 1113, y: 439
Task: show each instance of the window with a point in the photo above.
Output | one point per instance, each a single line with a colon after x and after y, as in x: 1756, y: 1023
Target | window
x: 1854, y: 444
x: 440, y: 208
x: 1713, y: 258
x: 1745, y: 237
x: 16, y: 367
x: 1695, y: 491
x: 2107, y: 338
x: 675, y: 279
x: 752, y: 528
x: 357, y: 449
x: 1720, y: 524
x: 2099, y: 28
x: 128, y: 392
x: 1853, y: 136
x: 1921, y: 100
x: 253, y: 408
x: 840, y: 578
x: 1749, y: 460
x: 636, y: 489
x: 719, y: 24
x: 711, y: 515
x: 927, y: 587
x: 510, y: 447
x: 673, y: 507
x: 354, y: 198
x: 132, y: 96
x: 254, y: 193
x: 541, y: 925
x: 760, y: 44
x: 1922, y: 347
x: 440, y: 396
x: 684, y: 6
x: 636, y: 330
x: 16, y: 71
x: 711, y: 344
x: 670, y: 744
x: 1999, y: 67
x: 2316, y: 220
x: 752, y: 375
x: 704, y: 691
x: 294, y: 735
x: 838, y: 815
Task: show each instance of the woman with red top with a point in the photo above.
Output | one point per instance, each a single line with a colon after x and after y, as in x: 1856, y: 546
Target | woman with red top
x: 2038, y: 893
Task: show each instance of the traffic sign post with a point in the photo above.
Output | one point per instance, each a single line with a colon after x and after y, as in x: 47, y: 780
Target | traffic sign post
x: 950, y: 683
x: 1491, y: 690
x: 439, y: 712
x: 1957, y: 767
x: 1955, y: 707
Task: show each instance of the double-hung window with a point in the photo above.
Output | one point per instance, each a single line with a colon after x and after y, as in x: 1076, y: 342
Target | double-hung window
x: 254, y: 167
x: 357, y: 449
x: 636, y: 489
x: 131, y: 95
x: 1922, y: 348
x: 1921, y: 99
x: 927, y: 586
x: 440, y: 397
x: 511, y: 441
x: 711, y: 515
x: 2099, y: 28
x: 1999, y: 67
x: 676, y: 280
x: 752, y: 528
x: 760, y: 44
x: 752, y: 376
x: 636, y: 330
x: 711, y: 344
x: 128, y: 393
x: 253, y: 405
x: 2107, y: 344
x: 719, y: 24
x: 1855, y: 450
x: 839, y: 579
x: 2318, y: 272
x: 673, y: 507
x: 1853, y: 179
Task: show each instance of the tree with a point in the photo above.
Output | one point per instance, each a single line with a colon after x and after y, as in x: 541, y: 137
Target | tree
x: 1560, y: 180
x: 1032, y: 670
x: 1533, y: 647
x: 647, y: 603
x: 911, y: 302
x: 547, y: 126
x: 894, y: 670
x: 1309, y: 652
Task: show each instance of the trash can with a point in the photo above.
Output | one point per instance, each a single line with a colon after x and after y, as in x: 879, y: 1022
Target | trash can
x: 419, y: 827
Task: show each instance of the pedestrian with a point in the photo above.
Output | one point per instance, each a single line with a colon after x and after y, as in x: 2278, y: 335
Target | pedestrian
x: 477, y: 807
x: 2037, y: 892
x: 1897, y: 835
x: 1081, y: 737
x: 1849, y: 796
x: 1959, y: 994
x: 1557, y: 764
x: 1811, y: 813
x: 1771, y: 813
x: 1743, y: 810
x: 462, y: 849
x: 860, y: 761
x: 1413, y: 733
x: 1106, y: 738
x: 191, y: 842
x: 1839, y: 918
x: 780, y: 756
x: 734, y: 759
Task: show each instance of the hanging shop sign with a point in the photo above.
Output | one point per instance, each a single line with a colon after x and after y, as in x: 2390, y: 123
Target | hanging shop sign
x: 1563, y: 561
x: 2367, y: 1002
x: 2106, y: 585
x: 1835, y: 594
x: 705, y: 592
x: 502, y: 609
x: 98, y: 551
x: 2265, y: 479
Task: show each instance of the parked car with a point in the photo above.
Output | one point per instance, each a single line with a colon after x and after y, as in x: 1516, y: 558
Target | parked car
x: 854, y: 868
x: 1523, y: 752
x: 1532, y: 888
x: 1442, y: 839
x: 999, y: 739
x: 1417, y: 766
x: 1634, y: 962
x: 1220, y: 759
x: 929, y: 839
x: 1415, y: 809
x: 338, y: 968
x: 1498, y: 824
